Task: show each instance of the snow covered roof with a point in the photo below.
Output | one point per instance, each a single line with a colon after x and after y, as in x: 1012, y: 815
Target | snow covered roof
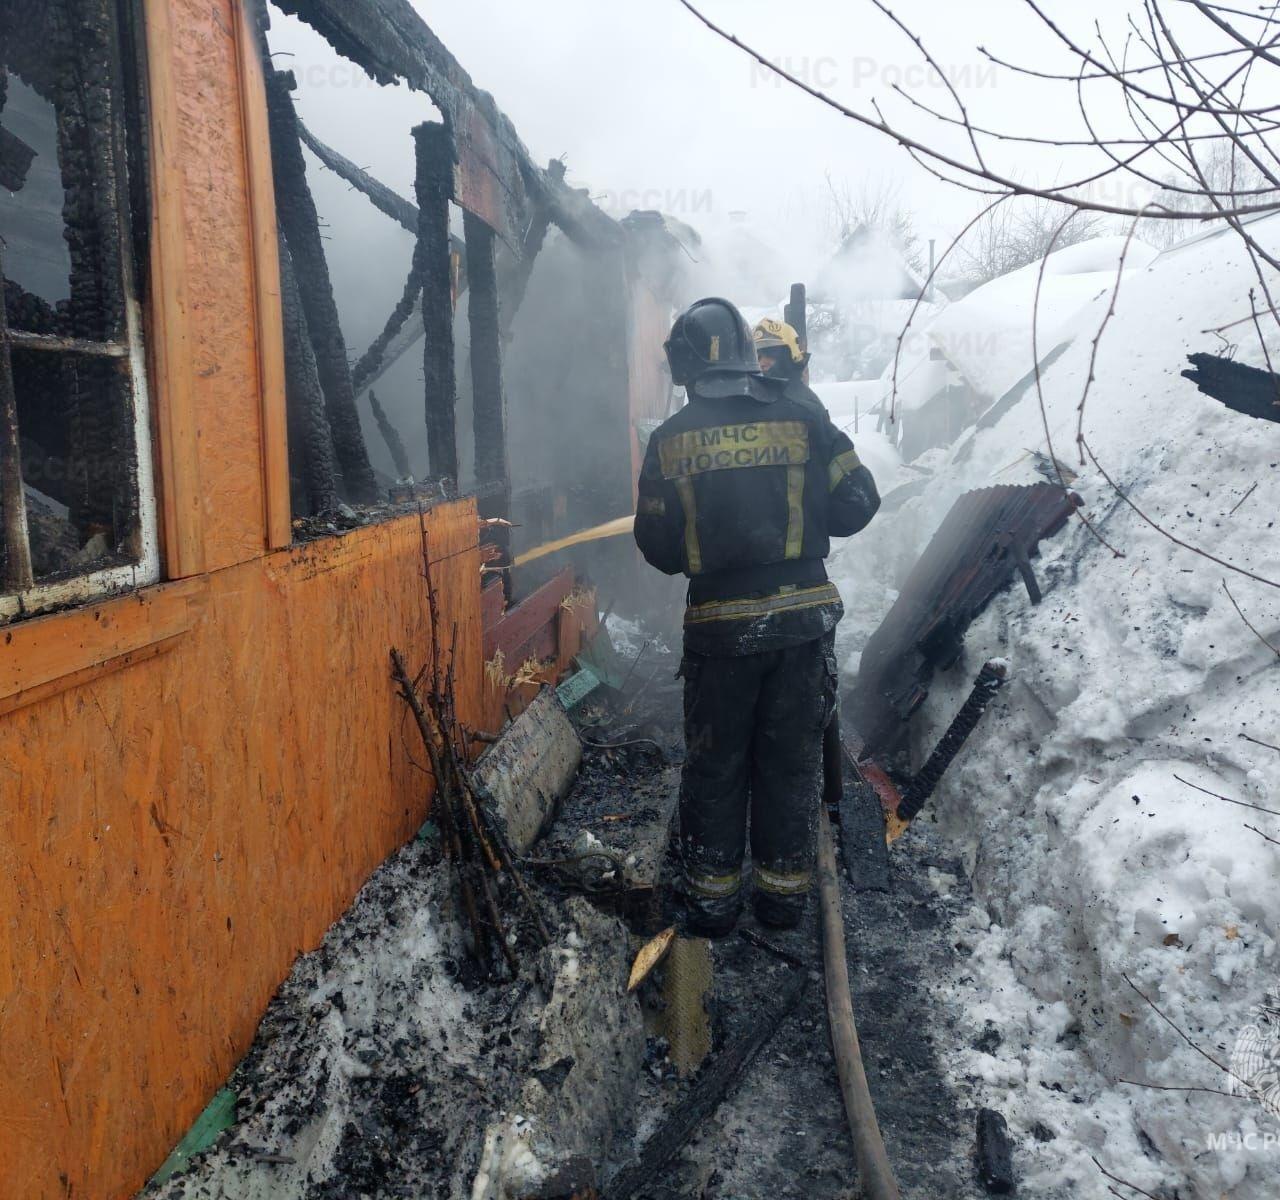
x: 869, y: 265
x: 987, y: 335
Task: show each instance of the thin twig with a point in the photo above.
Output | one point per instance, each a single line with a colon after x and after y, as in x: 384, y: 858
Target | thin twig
x: 1265, y: 836
x: 448, y: 826
x: 1242, y: 499
x: 1252, y: 628
x: 1155, y: 1008
x: 1158, y: 1087
x: 1133, y: 1187
x: 619, y: 745
x: 1044, y: 412
x: 1227, y: 799
x: 1163, y: 532
x: 1009, y: 185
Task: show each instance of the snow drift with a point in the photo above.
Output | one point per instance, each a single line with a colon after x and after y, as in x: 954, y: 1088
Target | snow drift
x: 1127, y: 926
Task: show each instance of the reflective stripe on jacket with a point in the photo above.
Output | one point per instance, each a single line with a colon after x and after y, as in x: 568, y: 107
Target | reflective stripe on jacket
x: 743, y: 496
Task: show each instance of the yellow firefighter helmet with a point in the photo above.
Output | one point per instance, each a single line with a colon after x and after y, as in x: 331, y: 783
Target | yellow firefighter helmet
x: 771, y: 334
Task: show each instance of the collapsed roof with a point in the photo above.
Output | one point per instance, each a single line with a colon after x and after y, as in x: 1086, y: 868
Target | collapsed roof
x: 989, y: 536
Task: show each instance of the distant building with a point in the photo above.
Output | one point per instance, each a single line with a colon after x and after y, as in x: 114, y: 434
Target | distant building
x: 860, y: 302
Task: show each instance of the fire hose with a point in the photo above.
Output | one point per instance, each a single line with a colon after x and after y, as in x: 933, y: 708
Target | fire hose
x: 875, y: 1176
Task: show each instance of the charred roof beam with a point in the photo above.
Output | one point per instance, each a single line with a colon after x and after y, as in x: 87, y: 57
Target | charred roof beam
x: 390, y: 41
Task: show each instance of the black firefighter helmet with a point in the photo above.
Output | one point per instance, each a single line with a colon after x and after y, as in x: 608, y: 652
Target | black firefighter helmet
x: 711, y: 351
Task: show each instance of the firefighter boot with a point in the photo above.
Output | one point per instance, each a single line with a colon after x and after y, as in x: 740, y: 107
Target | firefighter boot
x: 778, y: 912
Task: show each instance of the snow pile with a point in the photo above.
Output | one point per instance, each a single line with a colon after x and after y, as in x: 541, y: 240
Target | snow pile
x: 581, y: 1087
x: 1124, y: 914
x: 380, y: 1062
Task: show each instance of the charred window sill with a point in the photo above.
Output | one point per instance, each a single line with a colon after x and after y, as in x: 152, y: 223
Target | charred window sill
x: 404, y: 502
x: 49, y: 654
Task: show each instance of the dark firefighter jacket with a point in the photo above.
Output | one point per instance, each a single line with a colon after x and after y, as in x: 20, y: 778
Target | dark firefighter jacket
x: 742, y: 496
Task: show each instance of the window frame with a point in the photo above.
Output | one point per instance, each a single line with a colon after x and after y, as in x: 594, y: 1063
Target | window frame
x: 129, y: 156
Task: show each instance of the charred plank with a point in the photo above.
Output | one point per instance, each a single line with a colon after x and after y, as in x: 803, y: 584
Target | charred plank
x: 301, y: 224
x: 310, y: 439
x: 1243, y: 389
x: 390, y: 435
x: 715, y: 1083
x: 434, y: 188
x: 488, y: 404
x: 370, y: 365
x: 15, y: 566
x: 974, y: 554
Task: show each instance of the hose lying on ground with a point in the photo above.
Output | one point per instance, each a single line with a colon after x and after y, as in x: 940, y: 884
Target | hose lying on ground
x: 874, y: 1173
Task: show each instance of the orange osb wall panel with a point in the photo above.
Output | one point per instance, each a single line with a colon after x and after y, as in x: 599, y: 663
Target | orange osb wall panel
x: 174, y: 833
x: 221, y: 283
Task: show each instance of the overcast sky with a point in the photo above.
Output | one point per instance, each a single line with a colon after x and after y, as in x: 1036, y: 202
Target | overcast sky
x: 652, y: 110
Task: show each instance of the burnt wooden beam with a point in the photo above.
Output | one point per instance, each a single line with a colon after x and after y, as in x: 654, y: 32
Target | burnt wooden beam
x: 310, y: 438
x: 401, y: 342
x: 434, y: 188
x: 1242, y: 388
x: 15, y: 570
x: 716, y: 1081
x: 488, y: 404
x: 404, y: 326
x: 516, y: 280
x: 390, y: 435
x: 488, y: 399
x: 89, y: 107
x: 391, y: 41
x: 370, y: 364
x: 301, y: 224
x: 383, y: 198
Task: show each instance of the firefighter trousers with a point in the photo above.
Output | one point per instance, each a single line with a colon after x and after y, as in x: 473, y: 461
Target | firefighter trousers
x: 753, y: 746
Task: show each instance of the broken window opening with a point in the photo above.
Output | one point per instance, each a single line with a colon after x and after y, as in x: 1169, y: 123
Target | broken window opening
x: 348, y: 268
x: 434, y: 400
x: 77, y: 499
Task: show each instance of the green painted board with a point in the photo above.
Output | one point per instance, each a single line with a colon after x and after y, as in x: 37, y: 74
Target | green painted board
x: 219, y: 1115
x: 574, y: 690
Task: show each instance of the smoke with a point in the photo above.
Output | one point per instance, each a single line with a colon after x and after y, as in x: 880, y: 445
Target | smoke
x: 649, y: 114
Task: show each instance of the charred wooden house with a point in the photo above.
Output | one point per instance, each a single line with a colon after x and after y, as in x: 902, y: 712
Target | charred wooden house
x: 202, y: 566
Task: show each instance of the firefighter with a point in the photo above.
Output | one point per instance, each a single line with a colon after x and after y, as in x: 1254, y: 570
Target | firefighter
x: 784, y: 362
x: 740, y: 491
x: 782, y: 359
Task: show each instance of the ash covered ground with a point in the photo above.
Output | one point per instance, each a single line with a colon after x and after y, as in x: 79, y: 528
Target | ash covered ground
x: 385, y: 1067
